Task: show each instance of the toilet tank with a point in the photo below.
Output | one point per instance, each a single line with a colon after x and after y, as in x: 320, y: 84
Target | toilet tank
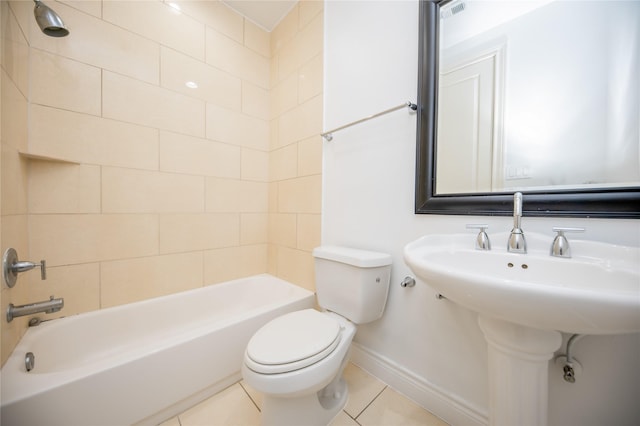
x: 352, y: 283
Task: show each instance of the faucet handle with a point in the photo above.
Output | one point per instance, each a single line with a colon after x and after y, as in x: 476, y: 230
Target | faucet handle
x: 482, y: 240
x: 560, y: 246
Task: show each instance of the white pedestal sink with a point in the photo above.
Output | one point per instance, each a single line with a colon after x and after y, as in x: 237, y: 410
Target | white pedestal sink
x: 524, y: 301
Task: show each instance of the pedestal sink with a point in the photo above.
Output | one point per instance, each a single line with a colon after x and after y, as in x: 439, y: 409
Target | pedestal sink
x: 524, y: 301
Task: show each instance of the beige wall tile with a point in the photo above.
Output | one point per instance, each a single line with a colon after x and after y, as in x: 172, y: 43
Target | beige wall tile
x: 257, y: 39
x: 308, y: 235
x: 139, y: 191
x: 15, y: 50
x: 218, y: 87
x: 189, y: 232
x: 190, y: 155
x: 92, y: 7
x: 14, y: 114
x: 300, y: 195
x: 273, y: 197
x: 14, y: 182
x: 216, y: 15
x: 88, y: 139
x: 255, y: 101
x: 63, y: 188
x: 230, y: 195
x: 305, y: 46
x: 285, y: 31
x: 283, y: 163
x: 15, y: 233
x: 254, y: 228
x: 255, y: 165
x: 101, y: 44
x: 309, y: 9
x: 141, y: 103
x: 131, y: 280
x: 63, y: 83
x: 79, y: 285
x: 310, y: 79
x: 301, y: 123
x: 284, y: 95
x: 296, y: 266
x: 224, y: 125
x: 233, y: 57
x: 158, y: 21
x: 283, y: 229
x: 83, y: 238
x: 234, y: 262
x: 310, y: 156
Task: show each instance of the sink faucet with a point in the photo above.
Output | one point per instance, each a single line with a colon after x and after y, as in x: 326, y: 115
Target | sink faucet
x: 517, y: 243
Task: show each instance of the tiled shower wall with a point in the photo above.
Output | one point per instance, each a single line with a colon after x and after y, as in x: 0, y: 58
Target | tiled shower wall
x: 132, y: 185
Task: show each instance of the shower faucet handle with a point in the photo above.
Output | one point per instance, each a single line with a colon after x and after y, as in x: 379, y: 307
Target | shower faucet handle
x: 11, y: 267
x: 482, y: 240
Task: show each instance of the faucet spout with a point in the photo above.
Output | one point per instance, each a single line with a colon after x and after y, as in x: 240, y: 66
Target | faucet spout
x: 517, y: 243
x: 48, y: 307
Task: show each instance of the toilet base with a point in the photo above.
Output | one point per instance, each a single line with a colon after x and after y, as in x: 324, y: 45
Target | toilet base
x: 317, y: 409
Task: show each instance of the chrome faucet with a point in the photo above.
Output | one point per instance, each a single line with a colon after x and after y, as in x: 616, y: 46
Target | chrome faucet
x: 560, y: 246
x: 517, y: 242
x: 48, y: 307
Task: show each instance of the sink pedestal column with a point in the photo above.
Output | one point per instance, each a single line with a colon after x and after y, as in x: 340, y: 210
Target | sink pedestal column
x: 518, y: 372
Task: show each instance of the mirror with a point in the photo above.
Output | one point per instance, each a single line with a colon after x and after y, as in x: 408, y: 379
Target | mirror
x: 540, y: 97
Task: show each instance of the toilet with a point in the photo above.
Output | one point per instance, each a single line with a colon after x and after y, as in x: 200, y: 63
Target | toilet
x: 297, y: 359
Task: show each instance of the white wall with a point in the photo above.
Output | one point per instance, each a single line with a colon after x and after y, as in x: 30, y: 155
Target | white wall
x: 431, y: 349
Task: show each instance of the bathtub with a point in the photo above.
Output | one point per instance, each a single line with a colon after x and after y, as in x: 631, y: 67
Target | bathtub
x: 144, y: 362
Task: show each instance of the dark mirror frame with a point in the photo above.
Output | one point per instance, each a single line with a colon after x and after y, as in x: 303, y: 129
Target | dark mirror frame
x: 623, y: 202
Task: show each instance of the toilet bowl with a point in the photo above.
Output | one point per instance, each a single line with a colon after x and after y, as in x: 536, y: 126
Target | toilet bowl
x: 296, y: 360
x: 297, y: 353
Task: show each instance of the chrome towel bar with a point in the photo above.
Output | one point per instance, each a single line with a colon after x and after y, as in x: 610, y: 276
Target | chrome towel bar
x: 329, y: 135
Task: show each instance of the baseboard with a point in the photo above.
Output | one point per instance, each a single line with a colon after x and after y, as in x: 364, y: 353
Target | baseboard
x: 449, y: 408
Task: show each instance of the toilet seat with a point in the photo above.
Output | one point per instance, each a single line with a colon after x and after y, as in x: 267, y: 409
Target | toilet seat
x: 292, y: 341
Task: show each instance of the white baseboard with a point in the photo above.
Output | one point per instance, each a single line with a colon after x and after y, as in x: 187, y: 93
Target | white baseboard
x: 449, y: 408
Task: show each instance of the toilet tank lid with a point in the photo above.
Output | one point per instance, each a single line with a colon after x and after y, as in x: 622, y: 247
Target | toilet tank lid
x: 351, y: 256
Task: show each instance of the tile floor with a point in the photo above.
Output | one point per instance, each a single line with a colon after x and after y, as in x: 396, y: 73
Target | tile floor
x: 371, y: 403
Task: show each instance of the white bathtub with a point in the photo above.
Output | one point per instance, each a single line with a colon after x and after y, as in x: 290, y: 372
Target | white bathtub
x: 143, y: 362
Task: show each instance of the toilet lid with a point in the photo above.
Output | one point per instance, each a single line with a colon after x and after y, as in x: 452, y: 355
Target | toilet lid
x: 292, y: 341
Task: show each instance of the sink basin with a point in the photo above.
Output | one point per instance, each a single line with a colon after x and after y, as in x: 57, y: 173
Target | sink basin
x: 597, y: 291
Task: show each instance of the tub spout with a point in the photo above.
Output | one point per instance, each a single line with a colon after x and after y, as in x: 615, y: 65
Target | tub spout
x: 48, y: 307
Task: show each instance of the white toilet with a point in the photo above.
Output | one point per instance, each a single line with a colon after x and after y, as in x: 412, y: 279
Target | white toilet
x: 297, y: 360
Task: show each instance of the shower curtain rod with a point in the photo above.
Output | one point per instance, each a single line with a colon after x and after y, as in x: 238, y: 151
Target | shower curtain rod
x: 329, y: 135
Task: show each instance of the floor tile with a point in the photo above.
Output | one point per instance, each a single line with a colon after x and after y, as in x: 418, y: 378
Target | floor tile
x: 343, y: 419
x: 232, y: 406
x: 253, y: 394
x: 171, y: 422
x: 363, y: 388
x: 391, y: 408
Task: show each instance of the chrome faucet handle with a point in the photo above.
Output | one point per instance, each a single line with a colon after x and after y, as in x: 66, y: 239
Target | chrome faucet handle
x: 482, y: 240
x: 560, y: 246
x: 11, y: 267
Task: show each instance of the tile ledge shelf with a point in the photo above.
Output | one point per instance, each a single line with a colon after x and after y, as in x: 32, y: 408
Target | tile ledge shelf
x: 39, y: 157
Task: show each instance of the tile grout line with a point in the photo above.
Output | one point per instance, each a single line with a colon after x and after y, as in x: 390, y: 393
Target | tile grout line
x: 369, y: 404
x: 247, y: 393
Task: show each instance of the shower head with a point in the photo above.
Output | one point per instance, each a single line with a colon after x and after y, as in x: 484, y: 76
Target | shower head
x: 49, y: 22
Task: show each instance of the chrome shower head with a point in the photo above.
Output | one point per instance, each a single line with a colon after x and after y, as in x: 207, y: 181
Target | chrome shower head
x: 49, y: 22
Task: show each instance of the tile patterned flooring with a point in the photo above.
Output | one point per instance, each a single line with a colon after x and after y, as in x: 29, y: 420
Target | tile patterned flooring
x: 371, y: 403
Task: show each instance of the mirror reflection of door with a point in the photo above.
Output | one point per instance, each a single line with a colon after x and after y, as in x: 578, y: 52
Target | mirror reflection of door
x: 469, y: 156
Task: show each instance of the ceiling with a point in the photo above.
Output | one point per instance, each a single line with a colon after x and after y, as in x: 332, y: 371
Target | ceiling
x: 265, y: 13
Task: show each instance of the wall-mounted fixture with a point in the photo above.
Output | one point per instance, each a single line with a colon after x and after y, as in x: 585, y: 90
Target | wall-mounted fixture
x: 11, y: 266
x: 49, y: 22
x: 48, y: 307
